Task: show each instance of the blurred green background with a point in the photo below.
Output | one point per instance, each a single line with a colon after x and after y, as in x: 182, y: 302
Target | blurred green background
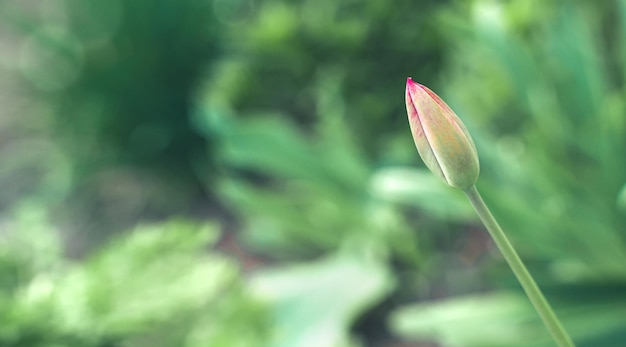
x: 233, y: 173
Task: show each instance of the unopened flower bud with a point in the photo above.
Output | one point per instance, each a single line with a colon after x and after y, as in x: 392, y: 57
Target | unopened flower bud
x: 441, y: 139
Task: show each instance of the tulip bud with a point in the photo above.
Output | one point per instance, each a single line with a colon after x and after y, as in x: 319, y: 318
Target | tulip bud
x: 441, y: 139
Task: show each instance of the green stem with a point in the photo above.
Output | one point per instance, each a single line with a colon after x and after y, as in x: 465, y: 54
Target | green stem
x: 523, y: 276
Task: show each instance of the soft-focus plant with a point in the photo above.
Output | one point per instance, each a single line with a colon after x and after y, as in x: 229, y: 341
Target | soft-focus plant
x: 274, y: 51
x: 156, y: 286
x: 300, y: 195
x: 112, y: 84
x: 315, y: 157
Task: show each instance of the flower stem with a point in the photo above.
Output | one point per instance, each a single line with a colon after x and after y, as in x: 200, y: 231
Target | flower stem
x: 533, y: 292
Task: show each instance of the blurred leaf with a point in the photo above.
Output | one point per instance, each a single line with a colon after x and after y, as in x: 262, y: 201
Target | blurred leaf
x: 507, y: 319
x: 316, y: 303
x: 422, y: 189
x: 502, y: 319
x: 270, y: 145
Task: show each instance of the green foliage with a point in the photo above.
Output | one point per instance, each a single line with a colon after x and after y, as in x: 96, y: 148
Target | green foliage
x: 561, y: 150
x: 312, y: 193
x: 549, y: 126
x: 274, y: 59
x: 156, y: 286
x: 291, y: 114
x: 120, y: 77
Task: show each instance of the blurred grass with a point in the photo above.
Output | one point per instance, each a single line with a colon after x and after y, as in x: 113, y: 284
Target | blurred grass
x: 283, y: 121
